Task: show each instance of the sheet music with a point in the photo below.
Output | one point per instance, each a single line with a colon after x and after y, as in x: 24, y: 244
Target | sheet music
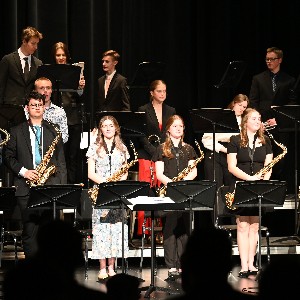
x: 148, y: 200
x: 81, y: 65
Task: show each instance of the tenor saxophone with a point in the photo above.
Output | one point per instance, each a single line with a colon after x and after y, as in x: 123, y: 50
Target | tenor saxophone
x: 93, y: 192
x: 162, y: 191
x: 7, y: 137
x: 230, y: 196
x: 45, y: 172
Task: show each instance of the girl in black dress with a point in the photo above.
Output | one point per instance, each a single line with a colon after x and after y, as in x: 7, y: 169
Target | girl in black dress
x: 170, y: 158
x: 248, y: 153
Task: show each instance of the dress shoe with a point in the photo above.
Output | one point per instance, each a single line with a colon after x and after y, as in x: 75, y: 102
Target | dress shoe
x: 254, y: 272
x: 243, y: 274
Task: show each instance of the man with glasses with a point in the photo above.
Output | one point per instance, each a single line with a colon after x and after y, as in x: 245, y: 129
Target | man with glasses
x: 28, y: 143
x: 270, y: 88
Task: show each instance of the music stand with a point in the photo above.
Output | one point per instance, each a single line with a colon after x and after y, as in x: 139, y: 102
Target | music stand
x: 64, y: 78
x: 139, y: 86
x: 192, y: 194
x: 288, y: 118
x: 55, y: 196
x: 263, y: 193
x: 132, y: 124
x: 232, y: 76
x: 115, y: 195
x: 213, y: 120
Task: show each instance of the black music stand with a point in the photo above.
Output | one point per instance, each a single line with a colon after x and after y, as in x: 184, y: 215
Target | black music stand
x: 288, y: 119
x: 132, y: 124
x: 192, y: 194
x: 263, y: 193
x: 64, y: 78
x: 232, y: 77
x: 115, y: 195
x: 11, y: 115
x: 213, y: 120
x: 55, y: 196
x: 139, y: 86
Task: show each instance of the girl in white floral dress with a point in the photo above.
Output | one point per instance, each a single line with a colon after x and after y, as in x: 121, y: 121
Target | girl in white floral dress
x: 105, y: 157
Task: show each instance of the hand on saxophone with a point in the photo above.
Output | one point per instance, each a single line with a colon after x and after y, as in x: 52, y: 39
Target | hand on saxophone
x: 31, y: 175
x: 256, y: 177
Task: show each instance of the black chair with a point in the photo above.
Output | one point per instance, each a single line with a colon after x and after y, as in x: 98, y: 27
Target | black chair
x: 225, y: 219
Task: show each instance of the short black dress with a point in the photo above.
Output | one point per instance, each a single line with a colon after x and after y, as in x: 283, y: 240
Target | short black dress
x: 249, y: 166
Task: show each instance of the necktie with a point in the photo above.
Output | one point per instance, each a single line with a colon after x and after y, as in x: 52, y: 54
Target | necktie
x: 274, y: 82
x: 107, y: 83
x: 26, y: 69
x: 38, y: 157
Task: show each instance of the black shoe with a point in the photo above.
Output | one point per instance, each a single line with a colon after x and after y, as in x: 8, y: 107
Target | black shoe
x: 252, y: 272
x: 243, y: 274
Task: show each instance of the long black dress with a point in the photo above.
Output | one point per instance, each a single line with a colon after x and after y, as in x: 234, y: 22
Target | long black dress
x: 246, y: 164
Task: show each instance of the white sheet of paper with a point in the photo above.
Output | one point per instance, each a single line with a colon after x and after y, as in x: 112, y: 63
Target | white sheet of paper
x: 148, y: 200
x: 84, y: 143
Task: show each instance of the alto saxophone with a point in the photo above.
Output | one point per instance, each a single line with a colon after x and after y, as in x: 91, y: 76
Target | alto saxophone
x: 162, y: 191
x: 7, y: 137
x: 230, y: 196
x: 45, y: 172
x: 93, y: 192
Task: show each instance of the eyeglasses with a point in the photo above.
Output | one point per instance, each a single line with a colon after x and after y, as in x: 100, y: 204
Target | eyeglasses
x: 45, y: 88
x: 35, y: 106
x: 271, y: 59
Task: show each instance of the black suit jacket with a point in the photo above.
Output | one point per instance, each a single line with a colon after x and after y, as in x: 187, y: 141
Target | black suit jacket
x: 152, y: 127
x: 117, y: 98
x: 262, y: 96
x: 18, y: 154
x: 13, y: 87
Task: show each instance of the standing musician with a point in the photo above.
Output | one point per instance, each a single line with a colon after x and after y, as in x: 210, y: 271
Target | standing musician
x: 172, y: 157
x: 247, y: 154
x: 157, y: 113
x: 24, y: 151
x: 106, y: 157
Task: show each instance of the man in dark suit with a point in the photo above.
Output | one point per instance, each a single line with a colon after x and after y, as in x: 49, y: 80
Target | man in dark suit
x: 272, y: 87
x: 113, y: 90
x: 21, y: 157
x: 18, y: 69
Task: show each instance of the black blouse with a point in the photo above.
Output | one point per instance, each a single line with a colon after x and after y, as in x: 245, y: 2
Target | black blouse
x: 173, y: 166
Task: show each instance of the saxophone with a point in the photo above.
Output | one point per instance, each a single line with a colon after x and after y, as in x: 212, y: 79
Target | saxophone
x: 43, y: 172
x: 7, y: 137
x: 93, y: 192
x: 162, y: 191
x: 230, y: 196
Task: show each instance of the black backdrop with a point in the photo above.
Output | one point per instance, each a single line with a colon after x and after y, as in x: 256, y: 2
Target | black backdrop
x: 196, y: 39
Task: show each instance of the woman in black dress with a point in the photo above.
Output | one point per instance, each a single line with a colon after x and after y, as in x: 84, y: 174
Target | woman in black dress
x: 170, y: 158
x: 248, y: 153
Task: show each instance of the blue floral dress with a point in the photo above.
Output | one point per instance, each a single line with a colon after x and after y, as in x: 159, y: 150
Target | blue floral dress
x: 107, y: 223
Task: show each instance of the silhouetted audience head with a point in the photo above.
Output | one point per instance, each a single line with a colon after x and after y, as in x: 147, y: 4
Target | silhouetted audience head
x: 280, y: 278
x: 60, y: 244
x: 123, y: 286
x: 208, y: 254
x: 50, y: 274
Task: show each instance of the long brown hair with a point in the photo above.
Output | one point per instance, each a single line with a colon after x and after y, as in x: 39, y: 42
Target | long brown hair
x: 64, y: 47
x: 239, y: 98
x: 243, y: 133
x: 167, y: 145
x: 117, y: 138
